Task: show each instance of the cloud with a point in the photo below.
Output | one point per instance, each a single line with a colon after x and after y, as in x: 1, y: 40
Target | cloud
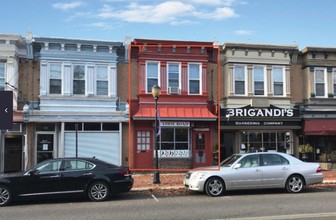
x: 218, y: 14
x: 242, y: 32
x: 67, y: 6
x: 164, y: 12
x: 173, y: 12
x: 78, y: 15
x: 214, y: 2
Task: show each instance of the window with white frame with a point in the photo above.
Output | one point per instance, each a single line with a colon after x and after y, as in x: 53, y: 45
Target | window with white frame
x: 259, y: 80
x: 2, y: 76
x: 78, y: 79
x: 152, y: 75
x: 278, y: 81
x: 239, y: 80
x: 173, y: 75
x: 334, y: 81
x: 194, y: 78
x: 55, y: 81
x: 143, y: 141
x: 320, y: 82
x: 102, y: 80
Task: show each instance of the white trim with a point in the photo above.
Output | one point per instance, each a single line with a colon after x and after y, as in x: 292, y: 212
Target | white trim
x: 325, y: 82
x: 265, y: 80
x: 179, y: 73
x: 234, y: 79
x: 283, y: 80
x: 158, y: 74
x: 199, y: 77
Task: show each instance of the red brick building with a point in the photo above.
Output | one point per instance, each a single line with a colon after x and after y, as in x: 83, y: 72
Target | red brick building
x: 187, y: 116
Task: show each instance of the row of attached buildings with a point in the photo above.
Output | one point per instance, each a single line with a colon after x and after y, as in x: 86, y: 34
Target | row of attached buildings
x: 94, y: 98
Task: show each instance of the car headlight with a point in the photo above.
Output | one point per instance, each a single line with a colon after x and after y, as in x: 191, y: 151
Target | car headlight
x: 198, y: 176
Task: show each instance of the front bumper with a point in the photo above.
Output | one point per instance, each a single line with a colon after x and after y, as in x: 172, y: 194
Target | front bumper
x: 194, y: 185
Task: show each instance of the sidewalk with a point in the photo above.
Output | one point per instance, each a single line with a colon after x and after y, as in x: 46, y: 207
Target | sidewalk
x: 174, y: 181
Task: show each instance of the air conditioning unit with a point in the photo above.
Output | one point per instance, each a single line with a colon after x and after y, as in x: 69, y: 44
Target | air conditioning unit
x: 173, y: 90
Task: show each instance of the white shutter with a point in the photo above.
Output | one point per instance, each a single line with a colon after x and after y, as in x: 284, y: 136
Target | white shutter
x: 104, y: 146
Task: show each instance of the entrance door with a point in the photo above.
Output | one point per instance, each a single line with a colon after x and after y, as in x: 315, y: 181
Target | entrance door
x: 200, y: 142
x: 45, y: 147
x: 13, y: 154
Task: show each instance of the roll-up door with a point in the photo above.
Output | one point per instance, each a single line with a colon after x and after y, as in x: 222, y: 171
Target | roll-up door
x: 104, y: 146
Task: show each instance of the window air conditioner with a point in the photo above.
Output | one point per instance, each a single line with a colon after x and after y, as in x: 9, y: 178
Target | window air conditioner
x: 173, y: 90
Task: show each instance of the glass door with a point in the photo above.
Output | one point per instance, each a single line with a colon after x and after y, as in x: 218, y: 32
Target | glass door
x: 45, y: 147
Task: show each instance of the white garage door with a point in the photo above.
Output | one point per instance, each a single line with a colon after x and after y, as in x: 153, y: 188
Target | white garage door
x: 104, y: 146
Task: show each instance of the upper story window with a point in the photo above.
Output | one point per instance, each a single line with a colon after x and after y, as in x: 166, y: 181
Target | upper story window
x: 55, y: 81
x: 239, y: 80
x: 152, y: 75
x: 102, y: 80
x: 79, y: 79
x: 173, y: 75
x: 259, y: 80
x: 278, y: 81
x: 194, y: 78
x: 320, y: 77
x: 2, y: 76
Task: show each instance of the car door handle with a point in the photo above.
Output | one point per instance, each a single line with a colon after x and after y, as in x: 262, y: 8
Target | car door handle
x: 284, y: 168
x: 258, y: 170
x: 55, y: 176
x: 87, y: 174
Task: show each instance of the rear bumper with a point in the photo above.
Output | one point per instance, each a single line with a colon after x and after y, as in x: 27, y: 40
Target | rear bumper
x: 314, y: 179
x: 122, y: 186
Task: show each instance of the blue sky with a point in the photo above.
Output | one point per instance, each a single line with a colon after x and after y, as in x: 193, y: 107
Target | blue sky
x: 284, y: 22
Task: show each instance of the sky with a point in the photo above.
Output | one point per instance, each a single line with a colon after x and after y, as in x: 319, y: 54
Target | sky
x: 282, y: 22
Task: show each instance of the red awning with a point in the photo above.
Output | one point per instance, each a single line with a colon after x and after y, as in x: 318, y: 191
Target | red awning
x: 320, y: 127
x: 176, y: 113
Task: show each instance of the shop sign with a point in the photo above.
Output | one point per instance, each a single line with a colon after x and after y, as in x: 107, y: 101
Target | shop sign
x: 250, y: 112
x: 261, y: 123
x: 173, y: 153
x: 175, y: 124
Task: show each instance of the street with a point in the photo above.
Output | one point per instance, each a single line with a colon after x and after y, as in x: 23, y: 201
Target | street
x: 315, y: 203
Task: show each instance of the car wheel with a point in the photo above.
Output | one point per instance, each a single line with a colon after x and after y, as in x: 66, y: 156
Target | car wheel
x: 98, y: 191
x: 295, y: 184
x: 214, y: 186
x: 5, y: 196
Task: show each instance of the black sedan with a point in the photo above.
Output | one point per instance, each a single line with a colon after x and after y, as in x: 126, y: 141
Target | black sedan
x: 66, y: 176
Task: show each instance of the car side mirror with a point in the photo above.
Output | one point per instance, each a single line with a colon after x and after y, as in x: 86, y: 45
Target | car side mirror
x: 33, y: 172
x: 237, y: 166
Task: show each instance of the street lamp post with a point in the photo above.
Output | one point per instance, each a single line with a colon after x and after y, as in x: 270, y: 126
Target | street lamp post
x: 156, y: 93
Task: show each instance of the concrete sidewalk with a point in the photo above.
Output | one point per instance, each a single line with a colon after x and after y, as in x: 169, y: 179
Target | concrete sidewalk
x: 174, y: 181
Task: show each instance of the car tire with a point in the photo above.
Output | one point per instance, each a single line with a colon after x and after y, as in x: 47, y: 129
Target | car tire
x: 5, y: 195
x: 98, y: 191
x: 295, y: 184
x: 214, y: 187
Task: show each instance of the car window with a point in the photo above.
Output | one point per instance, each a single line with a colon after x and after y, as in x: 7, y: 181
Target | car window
x: 49, y: 166
x: 249, y: 161
x: 230, y: 160
x: 77, y: 165
x: 273, y: 159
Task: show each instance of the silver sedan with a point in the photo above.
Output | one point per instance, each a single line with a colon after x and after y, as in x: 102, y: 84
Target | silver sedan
x: 254, y: 171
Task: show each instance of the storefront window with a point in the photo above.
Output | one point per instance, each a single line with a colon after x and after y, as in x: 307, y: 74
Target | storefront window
x: 174, y: 139
x: 251, y: 141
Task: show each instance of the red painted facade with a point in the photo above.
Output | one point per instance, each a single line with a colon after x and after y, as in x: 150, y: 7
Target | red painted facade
x: 187, y: 118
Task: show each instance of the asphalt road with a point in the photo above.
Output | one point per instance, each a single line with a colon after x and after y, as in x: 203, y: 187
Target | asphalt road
x: 315, y: 203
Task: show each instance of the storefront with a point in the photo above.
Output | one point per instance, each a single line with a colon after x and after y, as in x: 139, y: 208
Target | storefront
x: 251, y: 129
x: 185, y: 139
x: 320, y: 139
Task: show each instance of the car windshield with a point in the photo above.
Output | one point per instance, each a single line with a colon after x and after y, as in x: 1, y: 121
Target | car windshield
x: 230, y: 160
